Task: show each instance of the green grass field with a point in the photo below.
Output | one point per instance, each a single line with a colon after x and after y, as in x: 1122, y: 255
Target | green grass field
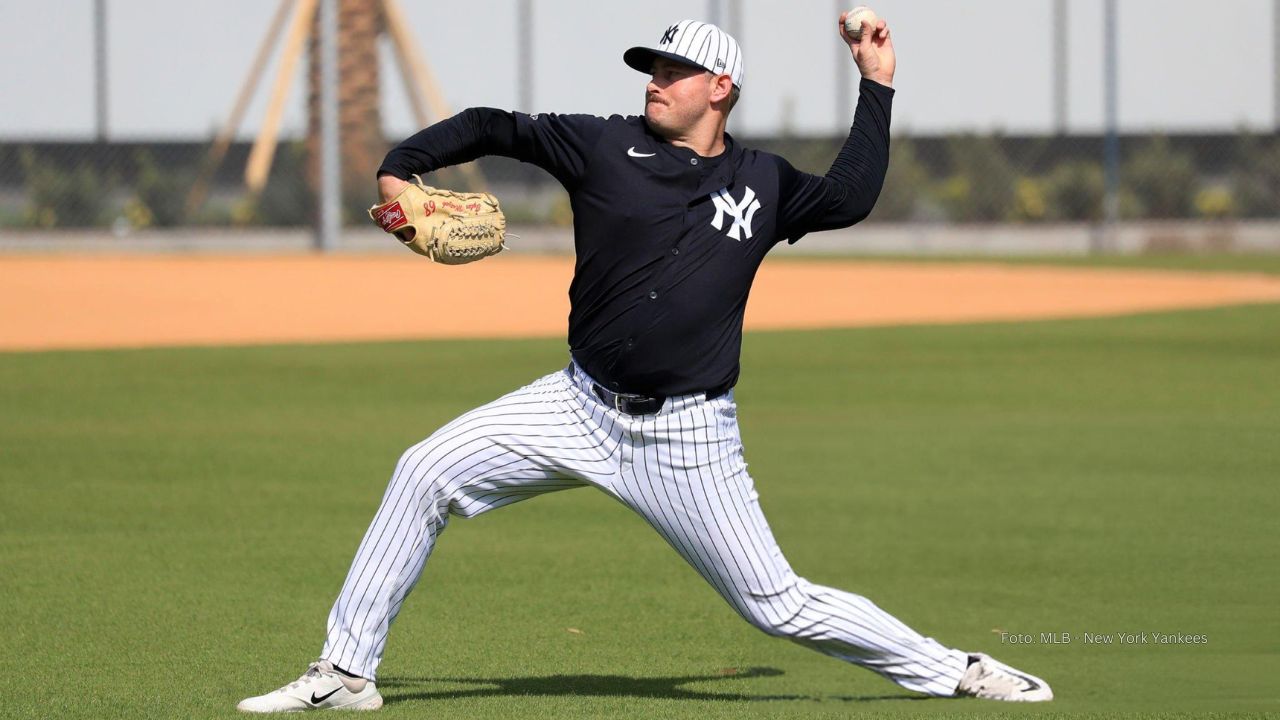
x: 176, y: 523
x: 1263, y: 263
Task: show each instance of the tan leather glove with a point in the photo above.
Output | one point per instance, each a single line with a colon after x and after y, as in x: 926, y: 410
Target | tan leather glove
x: 449, y: 227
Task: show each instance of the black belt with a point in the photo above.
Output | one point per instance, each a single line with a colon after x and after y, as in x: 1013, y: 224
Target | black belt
x: 641, y: 404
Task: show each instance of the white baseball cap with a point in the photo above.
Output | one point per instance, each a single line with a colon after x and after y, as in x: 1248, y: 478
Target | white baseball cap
x: 693, y: 43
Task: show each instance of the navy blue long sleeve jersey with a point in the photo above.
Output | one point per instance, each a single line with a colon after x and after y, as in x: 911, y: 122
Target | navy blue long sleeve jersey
x: 668, y: 242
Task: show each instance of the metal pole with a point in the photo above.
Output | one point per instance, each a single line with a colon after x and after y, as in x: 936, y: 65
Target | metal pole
x: 1060, y: 66
x: 844, y: 80
x: 1111, y: 143
x: 330, y: 160
x: 1275, y: 61
x: 524, y: 79
x: 524, y: 55
x: 100, y: 67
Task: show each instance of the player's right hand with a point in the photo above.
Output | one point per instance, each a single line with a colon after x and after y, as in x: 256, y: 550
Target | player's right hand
x: 874, y: 53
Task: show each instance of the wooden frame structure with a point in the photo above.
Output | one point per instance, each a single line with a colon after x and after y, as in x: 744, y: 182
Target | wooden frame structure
x: 424, y: 93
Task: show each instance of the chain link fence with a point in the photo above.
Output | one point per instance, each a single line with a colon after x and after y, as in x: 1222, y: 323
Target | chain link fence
x: 970, y: 178
x: 959, y: 179
x: 134, y: 186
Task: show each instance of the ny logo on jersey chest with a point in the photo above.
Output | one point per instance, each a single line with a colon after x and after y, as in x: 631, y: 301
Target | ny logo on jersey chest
x: 740, y: 212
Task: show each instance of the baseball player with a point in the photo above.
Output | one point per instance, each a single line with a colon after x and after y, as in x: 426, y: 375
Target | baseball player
x: 672, y: 217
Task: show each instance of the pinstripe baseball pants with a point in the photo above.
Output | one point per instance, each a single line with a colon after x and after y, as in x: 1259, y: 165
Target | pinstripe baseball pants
x: 681, y: 469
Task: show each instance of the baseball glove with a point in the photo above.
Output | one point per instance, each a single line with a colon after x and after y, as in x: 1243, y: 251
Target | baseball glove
x: 449, y: 227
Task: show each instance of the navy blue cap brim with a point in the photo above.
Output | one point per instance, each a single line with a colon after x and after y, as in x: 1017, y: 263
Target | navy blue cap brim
x: 641, y: 58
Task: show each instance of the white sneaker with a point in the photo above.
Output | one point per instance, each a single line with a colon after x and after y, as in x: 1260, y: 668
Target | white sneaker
x: 320, y: 688
x: 991, y: 679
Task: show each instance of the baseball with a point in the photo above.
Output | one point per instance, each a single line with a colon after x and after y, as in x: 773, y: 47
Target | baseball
x: 854, y: 19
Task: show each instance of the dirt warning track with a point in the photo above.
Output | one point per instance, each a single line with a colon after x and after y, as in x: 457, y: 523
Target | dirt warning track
x: 59, y: 302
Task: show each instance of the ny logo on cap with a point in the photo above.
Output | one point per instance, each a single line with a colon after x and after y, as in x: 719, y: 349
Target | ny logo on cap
x: 669, y: 36
x: 725, y: 204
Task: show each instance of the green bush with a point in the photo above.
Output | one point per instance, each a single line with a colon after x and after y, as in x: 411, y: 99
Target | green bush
x: 982, y: 182
x: 1255, y: 181
x: 1075, y: 191
x: 1216, y: 203
x: 904, y: 185
x: 162, y: 194
x: 1030, y: 200
x: 1162, y: 180
x: 60, y: 197
x: 10, y: 218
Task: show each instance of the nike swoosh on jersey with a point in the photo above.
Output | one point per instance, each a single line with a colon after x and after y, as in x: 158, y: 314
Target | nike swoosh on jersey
x: 632, y: 152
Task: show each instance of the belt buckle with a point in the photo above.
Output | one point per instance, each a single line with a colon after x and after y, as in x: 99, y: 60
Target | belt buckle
x: 609, y: 396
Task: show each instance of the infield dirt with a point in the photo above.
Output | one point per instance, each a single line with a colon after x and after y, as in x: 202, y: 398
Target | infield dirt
x: 58, y: 302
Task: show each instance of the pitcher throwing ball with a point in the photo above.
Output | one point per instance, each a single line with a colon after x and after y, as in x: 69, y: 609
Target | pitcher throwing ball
x: 671, y: 219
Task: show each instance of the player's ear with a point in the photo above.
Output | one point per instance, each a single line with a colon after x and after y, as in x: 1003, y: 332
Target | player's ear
x: 721, y: 87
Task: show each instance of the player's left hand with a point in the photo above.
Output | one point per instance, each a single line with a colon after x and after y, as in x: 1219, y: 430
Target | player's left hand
x: 390, y: 186
x: 874, y: 53
x: 449, y: 227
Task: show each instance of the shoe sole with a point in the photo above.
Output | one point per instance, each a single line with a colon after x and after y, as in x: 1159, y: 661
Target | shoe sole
x: 369, y: 703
